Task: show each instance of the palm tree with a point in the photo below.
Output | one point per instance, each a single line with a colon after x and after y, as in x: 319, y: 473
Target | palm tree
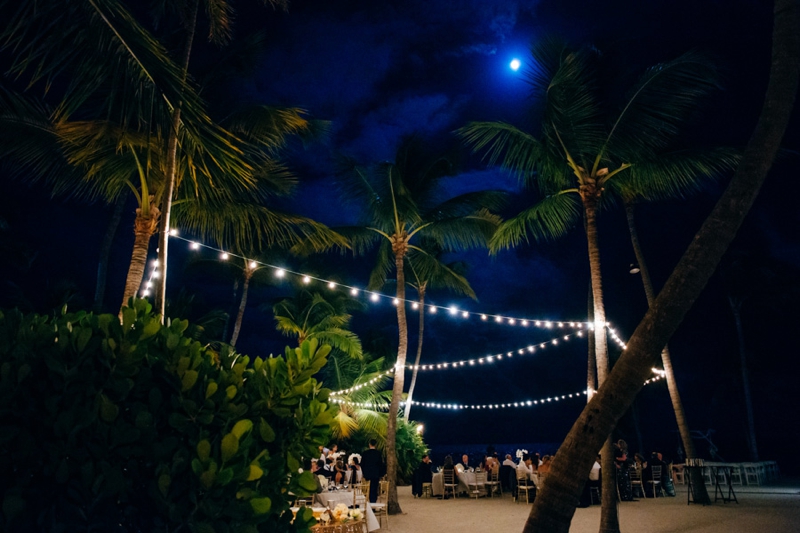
x: 325, y: 317
x: 362, y: 409
x: 555, y: 505
x: 429, y: 272
x: 583, y: 153
x: 403, y: 203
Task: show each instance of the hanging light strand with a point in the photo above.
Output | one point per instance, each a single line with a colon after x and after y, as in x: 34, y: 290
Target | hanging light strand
x: 509, y: 405
x: 373, y: 296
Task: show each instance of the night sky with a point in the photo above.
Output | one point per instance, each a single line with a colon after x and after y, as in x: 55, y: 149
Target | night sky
x: 381, y: 70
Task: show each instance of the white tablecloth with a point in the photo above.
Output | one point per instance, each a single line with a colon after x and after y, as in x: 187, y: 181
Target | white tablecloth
x: 330, y: 499
x: 464, y: 479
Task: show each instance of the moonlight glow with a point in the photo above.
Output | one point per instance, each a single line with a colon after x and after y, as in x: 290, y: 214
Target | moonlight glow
x: 514, y: 64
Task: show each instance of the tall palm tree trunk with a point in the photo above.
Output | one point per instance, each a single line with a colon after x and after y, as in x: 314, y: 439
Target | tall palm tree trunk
x: 748, y: 399
x: 399, y: 247
x: 700, y: 493
x: 171, y: 173
x: 553, y: 509
x: 143, y: 228
x: 105, y: 254
x: 407, y: 411
x: 237, y: 326
x: 609, y: 515
x: 591, y: 369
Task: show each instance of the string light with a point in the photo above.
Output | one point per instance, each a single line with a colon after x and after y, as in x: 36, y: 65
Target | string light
x: 374, y: 296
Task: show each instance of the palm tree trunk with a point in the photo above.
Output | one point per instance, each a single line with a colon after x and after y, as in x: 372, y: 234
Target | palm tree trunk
x: 407, y: 411
x: 105, y: 253
x: 237, y: 326
x: 591, y: 370
x: 143, y: 228
x: 393, y: 505
x: 700, y: 494
x: 609, y: 516
x: 553, y: 509
x: 748, y: 399
x: 171, y: 164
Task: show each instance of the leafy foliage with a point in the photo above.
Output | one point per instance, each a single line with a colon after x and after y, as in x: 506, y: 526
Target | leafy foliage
x: 105, y: 424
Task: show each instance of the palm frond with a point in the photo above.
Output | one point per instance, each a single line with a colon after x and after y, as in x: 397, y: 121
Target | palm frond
x: 340, y: 339
x: 548, y: 219
x: 246, y: 225
x: 673, y: 175
x: 467, y: 204
x: 384, y: 263
x: 430, y: 270
x: 504, y: 144
x: 659, y: 104
x: 472, y: 231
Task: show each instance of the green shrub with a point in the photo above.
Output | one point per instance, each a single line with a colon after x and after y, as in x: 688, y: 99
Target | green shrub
x: 136, y: 427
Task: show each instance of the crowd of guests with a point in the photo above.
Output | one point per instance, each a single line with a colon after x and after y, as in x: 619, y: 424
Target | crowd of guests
x: 367, y: 466
x: 644, y: 467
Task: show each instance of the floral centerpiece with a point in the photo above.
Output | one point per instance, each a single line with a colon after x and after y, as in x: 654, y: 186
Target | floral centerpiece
x: 341, y: 515
x: 520, y: 453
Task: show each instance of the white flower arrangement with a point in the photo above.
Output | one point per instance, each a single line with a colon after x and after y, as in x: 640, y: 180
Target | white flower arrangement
x: 350, y: 459
x: 340, y: 512
x: 356, y: 514
x: 520, y: 453
x: 325, y: 517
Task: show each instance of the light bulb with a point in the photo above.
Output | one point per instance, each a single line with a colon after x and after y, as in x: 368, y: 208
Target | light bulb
x: 483, y: 317
x: 464, y: 314
x: 415, y: 305
x: 432, y: 310
x: 306, y: 280
x: 331, y: 285
x: 354, y: 291
x: 374, y: 297
x: 453, y: 310
x: 224, y: 256
x: 194, y: 246
x: 253, y: 265
x: 173, y: 232
x: 395, y: 302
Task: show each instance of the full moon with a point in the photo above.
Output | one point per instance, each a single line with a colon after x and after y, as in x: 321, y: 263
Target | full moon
x: 514, y: 64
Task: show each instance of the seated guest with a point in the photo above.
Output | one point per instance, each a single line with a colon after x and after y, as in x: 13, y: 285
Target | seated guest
x: 423, y: 474
x: 322, y: 471
x: 594, y: 474
x: 339, y: 470
x: 482, y: 464
x: 525, y: 471
x: 507, y: 473
x: 592, y: 482
x: 356, y: 475
x: 465, y: 462
x: 449, y: 467
x: 544, y: 468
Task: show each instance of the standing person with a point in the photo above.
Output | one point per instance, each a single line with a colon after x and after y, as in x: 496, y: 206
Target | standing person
x: 423, y: 474
x: 372, y: 468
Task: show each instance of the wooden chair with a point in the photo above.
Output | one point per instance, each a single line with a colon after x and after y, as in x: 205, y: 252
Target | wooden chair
x: 524, y: 485
x: 493, y: 483
x: 450, y: 482
x: 656, y: 480
x: 476, y: 488
x: 379, y: 508
x: 350, y: 527
x: 361, y: 494
x: 678, y: 474
x: 636, y: 480
x: 427, y: 490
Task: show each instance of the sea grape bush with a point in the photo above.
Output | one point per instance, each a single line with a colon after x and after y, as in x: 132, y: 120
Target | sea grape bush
x: 135, y: 427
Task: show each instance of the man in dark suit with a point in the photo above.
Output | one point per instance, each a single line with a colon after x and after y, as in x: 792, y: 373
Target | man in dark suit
x: 372, y: 468
x: 423, y: 474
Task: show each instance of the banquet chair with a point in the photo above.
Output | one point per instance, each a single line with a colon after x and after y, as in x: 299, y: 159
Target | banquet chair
x: 656, y: 480
x: 379, y: 508
x: 678, y: 474
x: 427, y: 490
x: 493, y: 483
x: 524, y: 485
x: 636, y: 480
x: 477, y: 487
x: 323, y: 482
x: 360, y: 494
x: 450, y: 483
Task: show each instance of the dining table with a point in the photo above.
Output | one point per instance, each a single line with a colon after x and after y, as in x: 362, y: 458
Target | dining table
x: 465, y: 479
x: 332, y: 498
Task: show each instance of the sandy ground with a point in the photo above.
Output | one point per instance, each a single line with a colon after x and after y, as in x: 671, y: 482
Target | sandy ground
x: 773, y: 509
